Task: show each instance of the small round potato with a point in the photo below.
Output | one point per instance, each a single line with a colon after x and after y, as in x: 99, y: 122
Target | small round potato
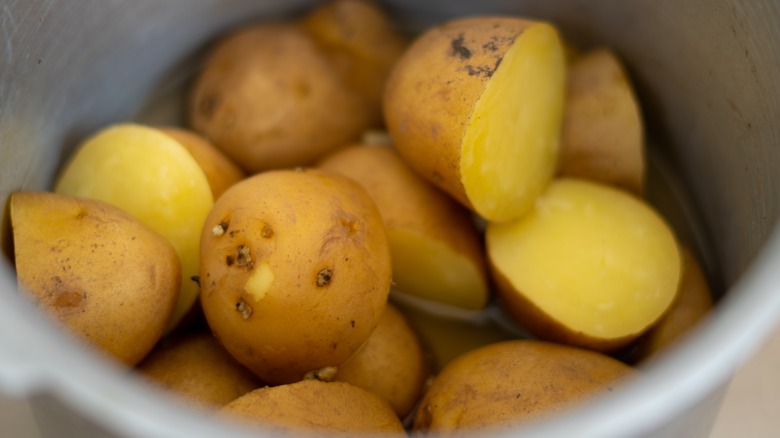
x: 108, y: 277
x: 198, y: 370
x: 391, y: 364
x: 270, y: 98
x: 316, y: 407
x: 497, y: 387
x: 295, y: 271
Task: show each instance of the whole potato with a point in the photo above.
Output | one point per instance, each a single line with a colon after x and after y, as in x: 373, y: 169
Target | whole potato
x: 475, y: 105
x: 198, y: 371
x: 496, y: 387
x: 313, y: 408
x: 270, y: 98
x: 106, y: 276
x: 295, y: 271
x: 391, y: 364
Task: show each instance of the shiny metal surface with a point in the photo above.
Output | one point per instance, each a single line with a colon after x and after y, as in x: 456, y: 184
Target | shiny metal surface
x: 708, y: 74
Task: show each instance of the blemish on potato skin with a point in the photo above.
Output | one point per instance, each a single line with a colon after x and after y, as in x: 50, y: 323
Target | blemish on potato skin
x: 243, y: 259
x: 220, y: 229
x: 243, y: 308
x: 267, y: 232
x: 69, y: 299
x: 458, y: 49
x: 324, y: 277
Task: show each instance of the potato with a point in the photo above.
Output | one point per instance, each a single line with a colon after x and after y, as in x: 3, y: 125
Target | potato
x: 270, y: 98
x: 154, y: 178
x: 220, y: 172
x: 436, y: 251
x: 295, y: 271
x: 106, y: 276
x: 197, y: 370
x: 591, y: 265
x: 603, y: 134
x: 497, y: 387
x: 316, y: 407
x: 476, y: 106
x: 694, y: 302
x: 361, y: 42
x: 391, y: 364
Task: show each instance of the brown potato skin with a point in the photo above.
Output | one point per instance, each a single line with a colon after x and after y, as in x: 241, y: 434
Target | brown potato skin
x: 497, y: 387
x: 391, y: 364
x: 434, y: 87
x: 269, y: 98
x: 109, y: 278
x: 693, y: 302
x: 198, y: 370
x: 295, y: 225
x: 220, y: 171
x: 603, y: 134
x: 361, y: 42
x: 316, y: 407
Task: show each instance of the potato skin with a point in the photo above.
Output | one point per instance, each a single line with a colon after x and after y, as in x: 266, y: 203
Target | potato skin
x: 269, y: 98
x: 391, y: 364
x: 198, y: 370
x: 109, y: 278
x: 434, y: 87
x: 316, y: 407
x: 295, y: 271
x: 499, y: 386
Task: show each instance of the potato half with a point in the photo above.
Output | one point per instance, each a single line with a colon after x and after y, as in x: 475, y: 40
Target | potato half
x: 295, y: 271
x: 154, y: 178
x: 109, y: 278
x: 591, y: 265
x: 476, y: 107
x: 497, y: 387
x: 603, y: 133
x: 316, y: 408
x: 198, y: 371
x: 436, y: 251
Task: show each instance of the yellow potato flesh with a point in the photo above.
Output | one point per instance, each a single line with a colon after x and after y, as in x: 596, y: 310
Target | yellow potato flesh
x: 154, y: 178
x: 592, y: 258
x: 432, y: 270
x: 509, y: 151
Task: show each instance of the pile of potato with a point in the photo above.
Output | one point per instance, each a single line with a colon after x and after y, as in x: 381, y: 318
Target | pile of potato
x: 278, y: 259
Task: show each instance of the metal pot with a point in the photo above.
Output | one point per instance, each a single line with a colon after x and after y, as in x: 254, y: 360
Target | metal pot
x: 708, y: 76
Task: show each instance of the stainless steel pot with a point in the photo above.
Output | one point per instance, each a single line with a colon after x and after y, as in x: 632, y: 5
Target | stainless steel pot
x: 708, y: 73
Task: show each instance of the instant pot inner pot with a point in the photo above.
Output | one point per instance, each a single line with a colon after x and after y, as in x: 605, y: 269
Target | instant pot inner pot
x: 706, y: 74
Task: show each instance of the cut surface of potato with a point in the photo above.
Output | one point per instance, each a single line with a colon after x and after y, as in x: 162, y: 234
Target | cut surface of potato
x: 436, y: 251
x: 154, y: 178
x: 109, y: 278
x: 315, y: 408
x: 476, y: 105
x: 591, y: 265
x: 497, y: 387
x: 603, y: 134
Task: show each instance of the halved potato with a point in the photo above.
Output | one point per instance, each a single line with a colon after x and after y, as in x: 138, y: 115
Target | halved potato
x: 154, y: 178
x: 436, y: 251
x: 476, y: 106
x: 590, y: 266
x: 109, y: 278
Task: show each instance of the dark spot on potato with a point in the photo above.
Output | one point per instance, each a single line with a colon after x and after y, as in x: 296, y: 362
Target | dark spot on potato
x: 324, y: 277
x: 229, y: 260
x: 69, y: 299
x: 334, y: 345
x: 243, y: 259
x: 458, y: 49
x: 208, y: 105
x: 267, y: 232
x: 352, y: 323
x: 243, y: 308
